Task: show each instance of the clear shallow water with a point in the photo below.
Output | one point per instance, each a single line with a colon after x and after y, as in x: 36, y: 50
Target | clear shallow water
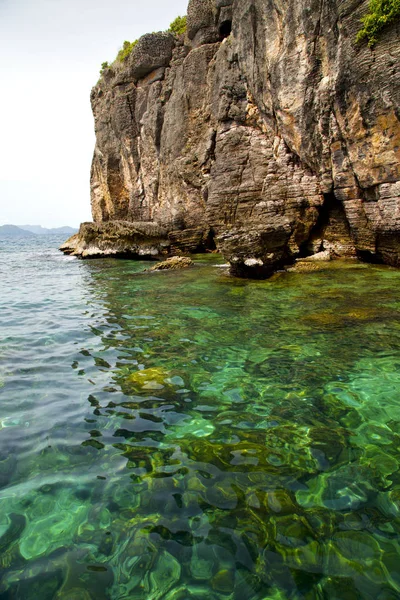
x: 186, y: 435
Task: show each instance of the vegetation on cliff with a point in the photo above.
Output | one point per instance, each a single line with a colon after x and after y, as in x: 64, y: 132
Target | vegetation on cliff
x: 104, y: 66
x: 122, y: 55
x: 126, y: 50
x: 177, y: 27
x: 381, y: 13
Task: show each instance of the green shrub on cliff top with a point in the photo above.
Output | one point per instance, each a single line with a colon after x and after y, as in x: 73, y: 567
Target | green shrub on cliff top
x: 126, y: 50
x: 381, y: 13
x: 104, y: 66
x: 121, y: 56
x: 178, y: 25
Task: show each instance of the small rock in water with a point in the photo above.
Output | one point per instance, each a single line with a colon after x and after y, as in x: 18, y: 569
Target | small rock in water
x: 323, y: 255
x: 197, y: 427
x: 152, y: 385
x: 151, y: 378
x: 223, y: 581
x: 175, y: 380
x: 165, y: 574
x: 173, y: 263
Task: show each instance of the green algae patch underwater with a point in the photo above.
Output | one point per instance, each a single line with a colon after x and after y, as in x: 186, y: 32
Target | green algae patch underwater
x: 197, y: 437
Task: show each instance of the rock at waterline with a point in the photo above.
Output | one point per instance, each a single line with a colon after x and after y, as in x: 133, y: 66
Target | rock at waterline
x: 172, y: 264
x: 324, y: 255
x: 118, y: 238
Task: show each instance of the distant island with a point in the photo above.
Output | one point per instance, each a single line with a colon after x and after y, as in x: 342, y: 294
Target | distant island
x: 39, y: 230
x: 30, y: 231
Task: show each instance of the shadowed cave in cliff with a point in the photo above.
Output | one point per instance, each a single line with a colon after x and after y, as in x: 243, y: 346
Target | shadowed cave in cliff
x: 367, y: 256
x: 209, y: 244
x: 225, y: 29
x: 331, y: 230
x: 195, y: 241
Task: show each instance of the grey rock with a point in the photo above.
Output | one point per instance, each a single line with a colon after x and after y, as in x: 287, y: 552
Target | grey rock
x: 201, y: 22
x: 225, y: 16
x: 152, y: 51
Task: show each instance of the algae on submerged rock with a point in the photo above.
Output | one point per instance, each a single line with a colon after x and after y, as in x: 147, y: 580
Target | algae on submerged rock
x: 173, y: 263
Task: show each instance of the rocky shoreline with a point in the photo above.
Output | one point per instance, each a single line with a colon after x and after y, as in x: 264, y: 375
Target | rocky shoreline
x: 119, y: 239
x: 268, y: 134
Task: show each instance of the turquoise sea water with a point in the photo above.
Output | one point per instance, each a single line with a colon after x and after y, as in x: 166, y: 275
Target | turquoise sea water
x: 186, y: 435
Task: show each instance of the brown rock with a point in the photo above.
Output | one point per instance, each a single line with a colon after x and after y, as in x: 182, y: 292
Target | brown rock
x: 118, y: 238
x: 172, y: 264
x: 279, y: 142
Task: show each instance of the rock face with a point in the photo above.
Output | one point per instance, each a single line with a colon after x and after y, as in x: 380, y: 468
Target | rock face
x: 267, y: 133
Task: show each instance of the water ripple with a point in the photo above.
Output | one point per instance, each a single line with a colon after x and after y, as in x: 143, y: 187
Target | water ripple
x: 194, y: 436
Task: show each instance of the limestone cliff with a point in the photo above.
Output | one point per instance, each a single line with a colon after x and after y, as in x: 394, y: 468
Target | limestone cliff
x: 267, y: 132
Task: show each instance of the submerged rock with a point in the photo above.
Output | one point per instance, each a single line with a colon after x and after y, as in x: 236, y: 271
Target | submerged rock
x: 197, y: 427
x: 165, y: 574
x: 223, y: 581
x: 346, y: 488
x: 153, y: 378
x: 14, y: 531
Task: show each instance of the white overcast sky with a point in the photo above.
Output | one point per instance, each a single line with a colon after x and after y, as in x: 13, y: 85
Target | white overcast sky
x: 51, y: 53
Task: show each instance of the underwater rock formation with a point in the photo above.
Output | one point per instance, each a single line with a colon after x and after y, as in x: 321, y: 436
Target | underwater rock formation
x: 266, y: 132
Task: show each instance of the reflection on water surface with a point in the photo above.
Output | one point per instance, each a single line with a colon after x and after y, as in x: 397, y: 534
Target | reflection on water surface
x: 186, y: 435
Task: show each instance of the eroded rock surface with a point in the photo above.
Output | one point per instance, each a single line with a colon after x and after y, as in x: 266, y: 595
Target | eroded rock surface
x: 118, y: 238
x: 267, y: 132
x: 173, y: 263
